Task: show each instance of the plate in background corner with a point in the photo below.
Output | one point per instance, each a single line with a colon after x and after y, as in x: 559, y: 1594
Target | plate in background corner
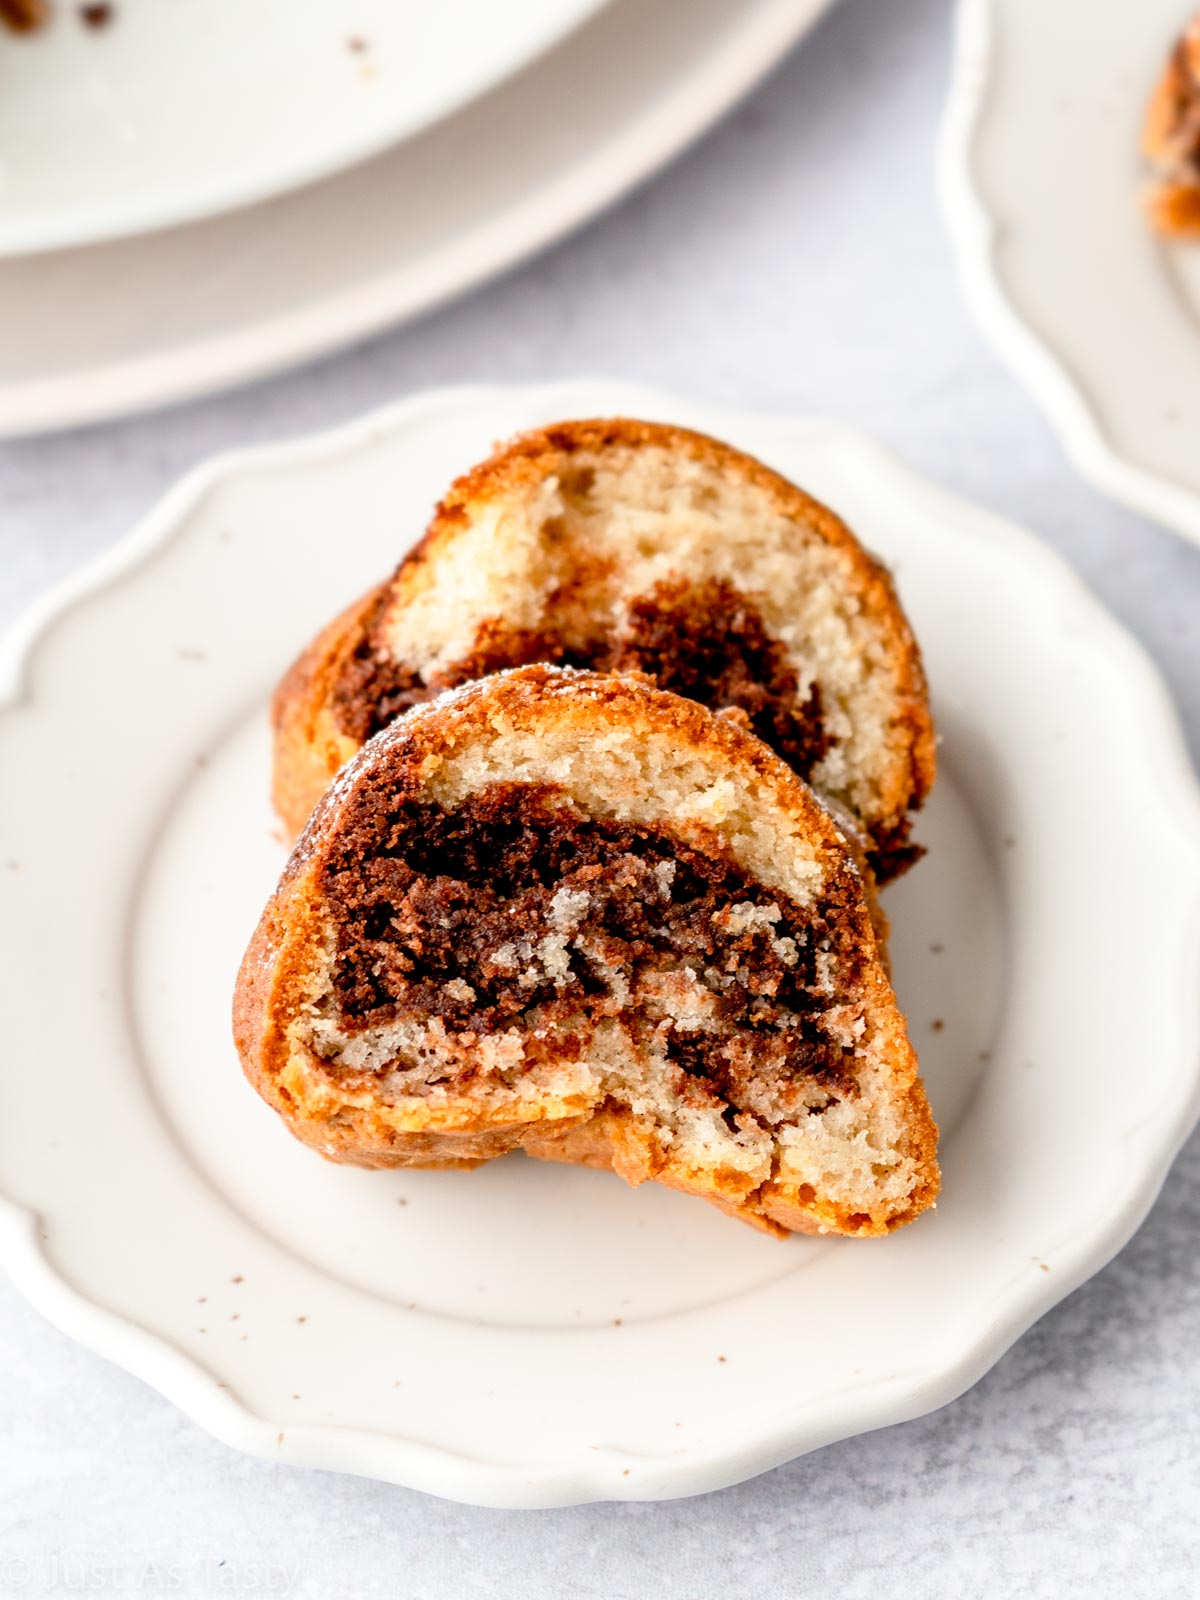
x: 1041, y: 176
x: 99, y: 332
x: 153, y: 115
x: 157, y: 1211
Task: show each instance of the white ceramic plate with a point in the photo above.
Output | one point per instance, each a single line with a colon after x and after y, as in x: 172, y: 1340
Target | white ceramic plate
x: 177, y: 109
x: 89, y: 334
x: 1041, y: 181
x: 532, y: 1335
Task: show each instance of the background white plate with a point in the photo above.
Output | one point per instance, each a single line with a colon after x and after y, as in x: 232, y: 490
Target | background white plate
x: 88, y: 334
x: 1041, y: 179
x: 531, y: 1335
x: 178, y: 109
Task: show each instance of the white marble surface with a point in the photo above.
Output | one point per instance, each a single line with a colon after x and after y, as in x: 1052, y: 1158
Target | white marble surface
x: 794, y: 260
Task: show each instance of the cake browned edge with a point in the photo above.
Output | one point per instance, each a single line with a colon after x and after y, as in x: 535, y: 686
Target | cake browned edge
x: 1171, y: 140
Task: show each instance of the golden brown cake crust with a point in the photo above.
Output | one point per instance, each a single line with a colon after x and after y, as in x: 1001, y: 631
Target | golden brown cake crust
x: 310, y: 746
x: 1171, y: 140
x: 277, y: 975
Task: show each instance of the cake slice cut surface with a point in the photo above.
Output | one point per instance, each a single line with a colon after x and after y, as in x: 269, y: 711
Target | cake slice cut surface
x: 626, y: 546
x: 584, y: 917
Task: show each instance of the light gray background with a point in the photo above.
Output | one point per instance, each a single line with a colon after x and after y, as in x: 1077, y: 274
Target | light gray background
x: 793, y: 260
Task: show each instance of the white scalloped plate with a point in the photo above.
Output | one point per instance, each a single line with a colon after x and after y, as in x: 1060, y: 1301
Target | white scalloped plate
x: 95, y: 333
x: 186, y: 109
x: 531, y: 1335
x: 1041, y: 179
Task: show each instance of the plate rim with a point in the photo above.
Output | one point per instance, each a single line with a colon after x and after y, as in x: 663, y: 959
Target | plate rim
x: 913, y: 1391
x: 763, y: 31
x: 974, y: 232
x: 108, y: 223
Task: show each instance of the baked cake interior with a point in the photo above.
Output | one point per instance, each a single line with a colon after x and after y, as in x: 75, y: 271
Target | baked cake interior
x: 517, y: 942
x: 637, y: 558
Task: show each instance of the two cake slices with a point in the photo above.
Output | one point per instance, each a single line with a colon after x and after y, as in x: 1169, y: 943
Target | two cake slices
x: 604, y: 777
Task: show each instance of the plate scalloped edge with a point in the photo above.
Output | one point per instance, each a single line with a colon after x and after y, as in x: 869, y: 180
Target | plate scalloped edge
x: 911, y: 1392
x: 973, y: 233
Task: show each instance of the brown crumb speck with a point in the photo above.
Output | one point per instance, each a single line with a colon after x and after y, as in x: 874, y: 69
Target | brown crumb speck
x: 237, y: 1278
x: 24, y: 16
x: 937, y: 1024
x: 357, y: 45
x: 722, y: 1358
x: 96, y: 16
x: 936, y: 949
x: 616, y: 1322
x: 301, y: 1319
